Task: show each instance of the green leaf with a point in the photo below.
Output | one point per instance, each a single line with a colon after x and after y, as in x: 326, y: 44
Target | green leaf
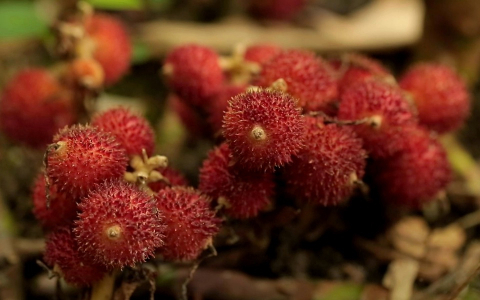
x: 141, y: 53
x: 117, y: 4
x: 20, y: 20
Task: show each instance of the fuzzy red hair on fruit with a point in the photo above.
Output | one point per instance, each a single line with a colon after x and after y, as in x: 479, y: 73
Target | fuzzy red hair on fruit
x: 309, y: 79
x: 112, y: 46
x: 33, y: 106
x: 327, y: 168
x: 416, y: 174
x: 82, y: 156
x: 62, y: 209
x: 174, y: 177
x: 243, y: 195
x: 385, y: 110
x: 355, y: 67
x: 441, y: 96
x: 119, y: 225
x: 261, y: 53
x: 61, y: 253
x: 194, y: 73
x: 263, y: 129
x: 218, y: 105
x: 132, y: 131
x: 191, y: 223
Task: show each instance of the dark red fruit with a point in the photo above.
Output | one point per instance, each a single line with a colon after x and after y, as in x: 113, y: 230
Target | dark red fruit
x: 62, y: 209
x: 194, y: 73
x: 111, y: 45
x: 385, y: 110
x: 193, y: 121
x: 261, y: 53
x: 244, y: 195
x: 62, y: 254
x: 441, y: 97
x: 34, y: 106
x: 416, y: 174
x: 263, y: 129
x: 132, y: 131
x: 218, y: 105
x: 326, y: 170
x: 309, y: 79
x: 118, y: 225
x: 191, y: 223
x: 82, y: 156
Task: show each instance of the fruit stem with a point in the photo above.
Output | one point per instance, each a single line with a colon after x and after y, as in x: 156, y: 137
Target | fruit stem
x: 103, y: 290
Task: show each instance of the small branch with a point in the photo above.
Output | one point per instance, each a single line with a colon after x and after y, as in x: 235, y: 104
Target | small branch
x: 103, y: 290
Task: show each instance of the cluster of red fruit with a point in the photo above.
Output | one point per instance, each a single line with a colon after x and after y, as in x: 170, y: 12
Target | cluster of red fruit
x: 109, y: 205
x: 318, y: 124
x: 37, y: 102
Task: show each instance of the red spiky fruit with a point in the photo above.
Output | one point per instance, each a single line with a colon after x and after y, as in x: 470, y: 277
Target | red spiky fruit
x: 218, y: 105
x: 309, y: 79
x: 111, y: 45
x: 244, y: 195
x: 191, y: 223
x: 416, y: 174
x: 132, y: 131
x: 354, y: 67
x: 61, y: 253
x: 118, y: 225
x: 193, y: 120
x: 281, y: 10
x: 328, y: 166
x: 83, y: 73
x: 174, y: 177
x: 194, y: 73
x: 63, y: 207
x: 385, y: 110
x: 82, y: 156
x: 262, y: 53
x: 34, y: 106
x: 263, y: 129
x: 441, y: 96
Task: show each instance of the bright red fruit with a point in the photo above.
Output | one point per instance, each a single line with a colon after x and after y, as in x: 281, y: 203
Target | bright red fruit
x: 261, y: 53
x: 385, y: 110
x: 218, y: 105
x: 62, y: 209
x: 34, y: 106
x: 132, y: 131
x: 441, y: 97
x: 243, y: 194
x: 263, y: 129
x: 309, y: 79
x: 111, y: 45
x: 82, y: 156
x: 191, y: 223
x: 194, y: 73
x: 118, y: 225
x: 416, y: 174
x: 61, y: 253
x: 327, y: 168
